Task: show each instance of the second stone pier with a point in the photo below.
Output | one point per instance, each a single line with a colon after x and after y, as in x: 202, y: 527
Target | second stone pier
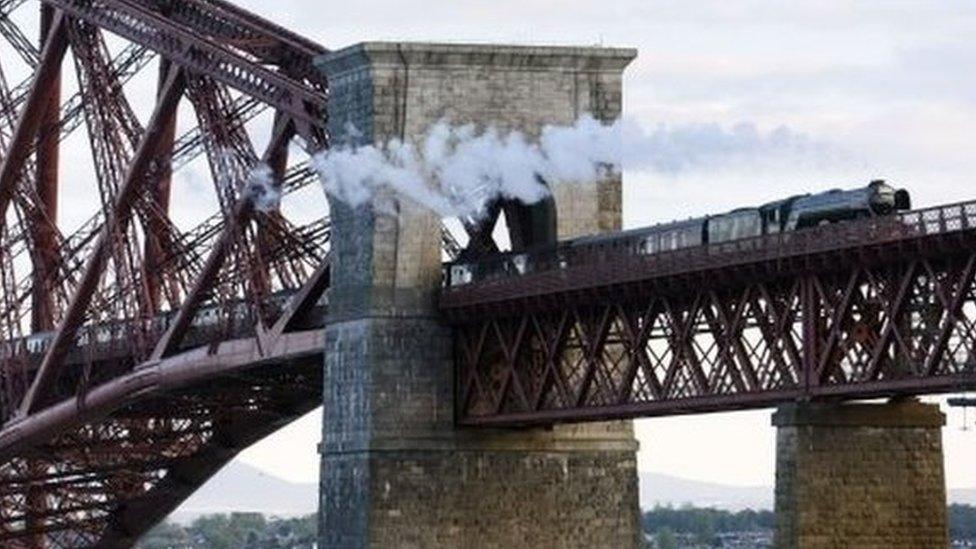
x: 860, y: 475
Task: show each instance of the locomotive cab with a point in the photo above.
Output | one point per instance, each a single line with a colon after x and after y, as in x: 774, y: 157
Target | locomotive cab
x: 881, y: 197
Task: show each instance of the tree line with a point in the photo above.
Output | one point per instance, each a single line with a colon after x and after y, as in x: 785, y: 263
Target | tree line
x: 234, y: 531
x: 703, y: 523
x: 255, y: 531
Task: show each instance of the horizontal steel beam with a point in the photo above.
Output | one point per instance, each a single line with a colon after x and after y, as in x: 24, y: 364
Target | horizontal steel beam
x: 720, y: 404
x: 194, y: 51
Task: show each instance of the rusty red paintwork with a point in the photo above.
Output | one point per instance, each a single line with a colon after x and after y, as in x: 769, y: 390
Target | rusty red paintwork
x: 112, y: 411
x: 879, y: 307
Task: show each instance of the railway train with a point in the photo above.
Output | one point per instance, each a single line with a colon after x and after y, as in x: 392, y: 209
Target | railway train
x: 878, y: 198
x: 207, y: 317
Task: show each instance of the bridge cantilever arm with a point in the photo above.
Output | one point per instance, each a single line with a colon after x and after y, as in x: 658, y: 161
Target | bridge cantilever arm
x: 205, y: 281
x: 189, y: 46
x: 306, y: 298
x: 117, y: 219
x: 31, y: 118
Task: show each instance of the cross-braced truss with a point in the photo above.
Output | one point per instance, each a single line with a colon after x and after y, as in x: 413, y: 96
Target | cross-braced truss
x: 141, y: 349
x: 879, y: 307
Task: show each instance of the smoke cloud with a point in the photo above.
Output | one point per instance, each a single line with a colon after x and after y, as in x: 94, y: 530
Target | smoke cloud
x: 674, y: 149
x: 262, y: 190
x: 458, y: 170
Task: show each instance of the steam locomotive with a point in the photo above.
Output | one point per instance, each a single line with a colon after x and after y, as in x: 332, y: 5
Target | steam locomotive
x: 797, y: 212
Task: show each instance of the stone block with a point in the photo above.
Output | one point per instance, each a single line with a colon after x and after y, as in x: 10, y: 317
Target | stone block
x: 860, y: 475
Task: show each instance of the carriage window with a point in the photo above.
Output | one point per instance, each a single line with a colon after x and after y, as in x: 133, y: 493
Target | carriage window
x: 772, y: 222
x: 720, y: 230
x: 735, y: 226
x: 460, y: 275
x: 649, y: 244
x: 747, y: 225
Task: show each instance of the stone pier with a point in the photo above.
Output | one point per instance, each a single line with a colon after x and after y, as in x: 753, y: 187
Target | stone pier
x: 396, y: 472
x: 860, y: 475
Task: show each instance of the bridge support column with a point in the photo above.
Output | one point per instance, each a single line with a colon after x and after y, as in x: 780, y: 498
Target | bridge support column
x: 860, y: 475
x: 396, y: 471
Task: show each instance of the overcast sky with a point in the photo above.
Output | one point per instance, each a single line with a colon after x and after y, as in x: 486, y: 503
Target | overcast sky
x: 889, y: 86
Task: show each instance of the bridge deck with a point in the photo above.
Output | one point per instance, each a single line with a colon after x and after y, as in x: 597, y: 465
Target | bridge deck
x: 147, y: 440
x: 877, y: 307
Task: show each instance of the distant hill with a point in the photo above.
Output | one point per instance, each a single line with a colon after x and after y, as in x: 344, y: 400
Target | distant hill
x: 658, y: 489
x: 240, y: 487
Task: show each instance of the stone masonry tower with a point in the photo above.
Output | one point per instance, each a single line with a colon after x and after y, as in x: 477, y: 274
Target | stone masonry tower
x: 395, y: 470
x: 863, y: 475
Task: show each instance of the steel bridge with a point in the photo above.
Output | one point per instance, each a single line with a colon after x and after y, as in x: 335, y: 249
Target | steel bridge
x: 139, y: 357
x: 880, y: 307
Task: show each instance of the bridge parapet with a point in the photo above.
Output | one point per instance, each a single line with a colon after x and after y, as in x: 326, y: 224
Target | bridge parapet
x: 615, y: 262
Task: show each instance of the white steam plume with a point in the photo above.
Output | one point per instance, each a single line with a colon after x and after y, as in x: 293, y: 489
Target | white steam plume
x: 457, y: 170
x: 256, y: 182
x: 262, y: 190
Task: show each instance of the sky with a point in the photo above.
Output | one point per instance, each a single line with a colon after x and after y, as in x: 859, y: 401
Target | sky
x: 887, y: 86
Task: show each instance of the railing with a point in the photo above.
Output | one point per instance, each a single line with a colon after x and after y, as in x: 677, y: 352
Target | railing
x: 627, y: 254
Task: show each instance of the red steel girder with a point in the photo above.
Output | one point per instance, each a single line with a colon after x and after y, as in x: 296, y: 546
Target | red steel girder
x: 48, y: 72
x: 95, y: 409
x: 875, y: 308
x: 46, y: 256
x: 16, y: 38
x: 240, y: 216
x: 196, y: 51
x: 137, y: 178
x: 138, y: 492
x: 160, y: 196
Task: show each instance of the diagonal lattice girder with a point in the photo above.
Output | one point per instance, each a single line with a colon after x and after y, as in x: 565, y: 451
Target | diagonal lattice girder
x: 874, y: 308
x: 100, y: 435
